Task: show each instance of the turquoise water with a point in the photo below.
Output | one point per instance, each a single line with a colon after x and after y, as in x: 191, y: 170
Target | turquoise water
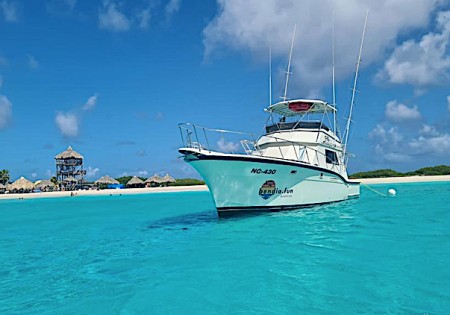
x: 170, y: 254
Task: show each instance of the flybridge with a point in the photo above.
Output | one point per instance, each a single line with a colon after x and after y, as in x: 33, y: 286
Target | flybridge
x: 300, y: 107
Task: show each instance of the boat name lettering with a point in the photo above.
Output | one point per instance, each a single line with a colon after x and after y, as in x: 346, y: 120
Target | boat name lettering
x: 261, y: 171
x: 268, y: 189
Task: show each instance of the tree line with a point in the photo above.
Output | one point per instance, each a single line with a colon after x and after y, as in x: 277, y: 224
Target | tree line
x: 425, y: 171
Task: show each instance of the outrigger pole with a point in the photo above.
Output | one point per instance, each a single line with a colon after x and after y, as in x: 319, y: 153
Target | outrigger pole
x: 334, y: 85
x: 288, y: 72
x: 270, y: 75
x: 352, y: 103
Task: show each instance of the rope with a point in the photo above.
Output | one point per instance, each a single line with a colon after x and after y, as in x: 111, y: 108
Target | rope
x: 375, y: 191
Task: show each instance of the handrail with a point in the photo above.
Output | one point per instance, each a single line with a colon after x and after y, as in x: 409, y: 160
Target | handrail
x: 190, y: 129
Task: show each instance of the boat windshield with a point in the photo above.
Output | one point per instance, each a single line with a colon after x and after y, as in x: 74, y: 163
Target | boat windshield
x: 296, y: 125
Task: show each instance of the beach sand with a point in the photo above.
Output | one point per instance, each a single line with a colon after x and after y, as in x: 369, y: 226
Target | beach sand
x: 406, y: 179
x: 104, y: 192
x: 133, y: 191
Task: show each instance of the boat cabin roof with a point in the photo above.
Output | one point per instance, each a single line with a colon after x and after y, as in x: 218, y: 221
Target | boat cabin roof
x: 300, y: 107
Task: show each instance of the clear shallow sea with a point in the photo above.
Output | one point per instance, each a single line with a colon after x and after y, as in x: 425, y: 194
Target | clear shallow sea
x: 169, y: 254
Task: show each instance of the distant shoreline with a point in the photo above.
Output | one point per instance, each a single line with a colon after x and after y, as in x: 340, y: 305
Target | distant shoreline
x: 404, y: 179
x: 104, y: 192
x: 150, y: 190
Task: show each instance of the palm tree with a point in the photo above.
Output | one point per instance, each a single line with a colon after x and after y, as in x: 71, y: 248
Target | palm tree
x: 4, y: 176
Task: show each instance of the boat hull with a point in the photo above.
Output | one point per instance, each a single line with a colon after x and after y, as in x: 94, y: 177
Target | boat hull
x: 245, y: 183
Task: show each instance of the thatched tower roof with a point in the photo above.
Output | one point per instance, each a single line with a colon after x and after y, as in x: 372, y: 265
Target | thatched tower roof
x: 22, y: 183
x: 154, y: 179
x: 168, y: 179
x: 135, y: 181
x: 70, y: 179
x: 2, y: 186
x: 44, y: 184
x: 69, y: 154
x: 106, y: 180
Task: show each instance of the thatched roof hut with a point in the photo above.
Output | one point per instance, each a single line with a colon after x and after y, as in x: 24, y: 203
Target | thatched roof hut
x: 106, y: 180
x: 22, y: 184
x: 2, y: 187
x: 43, y: 184
x: 155, y: 179
x: 69, y: 154
x: 70, y: 179
x: 168, y: 179
x: 135, y: 182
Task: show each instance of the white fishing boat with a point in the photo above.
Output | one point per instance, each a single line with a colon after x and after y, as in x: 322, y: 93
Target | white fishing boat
x: 299, y: 161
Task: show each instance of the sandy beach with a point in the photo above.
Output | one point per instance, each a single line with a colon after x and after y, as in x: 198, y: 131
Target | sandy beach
x: 104, y: 192
x: 406, y: 179
x: 133, y: 191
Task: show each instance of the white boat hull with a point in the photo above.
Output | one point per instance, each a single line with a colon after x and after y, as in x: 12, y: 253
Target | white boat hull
x: 242, y: 182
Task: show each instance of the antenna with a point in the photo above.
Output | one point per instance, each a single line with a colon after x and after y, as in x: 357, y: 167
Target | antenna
x: 352, y: 103
x: 288, y: 72
x: 334, y: 86
x: 270, y: 75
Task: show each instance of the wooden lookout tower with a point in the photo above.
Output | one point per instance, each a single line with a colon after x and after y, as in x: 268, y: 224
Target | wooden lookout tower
x: 69, y: 169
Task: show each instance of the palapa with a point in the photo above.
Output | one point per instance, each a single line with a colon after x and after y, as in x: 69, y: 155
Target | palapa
x: 22, y: 184
x: 44, y: 184
x: 154, y: 179
x: 69, y: 154
x: 2, y: 186
x: 70, y: 179
x: 168, y: 179
x: 106, y: 180
x: 135, y: 181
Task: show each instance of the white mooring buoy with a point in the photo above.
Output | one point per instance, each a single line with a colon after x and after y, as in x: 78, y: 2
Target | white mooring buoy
x: 392, y: 192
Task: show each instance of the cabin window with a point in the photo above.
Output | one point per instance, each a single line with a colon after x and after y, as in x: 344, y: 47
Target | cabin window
x: 331, y: 157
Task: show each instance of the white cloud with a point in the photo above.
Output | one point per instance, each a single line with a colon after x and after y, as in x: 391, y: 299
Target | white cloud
x: 396, y: 157
x: 33, y: 175
x: 396, y: 111
x: 378, y: 132
x: 67, y: 124
x: 428, y: 130
x: 226, y: 146
x: 427, y: 144
x: 436, y: 145
x: 172, y: 7
x: 110, y: 18
x: 32, y: 62
x: 421, y: 63
x: 251, y: 26
x: 448, y: 102
x: 144, y: 18
x: 143, y: 173
x: 91, y: 101
x: 5, y: 111
x: 49, y: 174
x: 391, y: 135
x: 91, y: 171
x: 9, y: 11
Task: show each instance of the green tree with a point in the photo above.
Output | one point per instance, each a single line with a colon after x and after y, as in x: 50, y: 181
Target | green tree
x: 124, y: 179
x: 4, y: 176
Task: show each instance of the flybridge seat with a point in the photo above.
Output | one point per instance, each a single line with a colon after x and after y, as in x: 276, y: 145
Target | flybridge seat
x: 296, y: 125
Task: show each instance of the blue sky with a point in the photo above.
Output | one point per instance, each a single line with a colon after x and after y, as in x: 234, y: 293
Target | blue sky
x: 114, y: 78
